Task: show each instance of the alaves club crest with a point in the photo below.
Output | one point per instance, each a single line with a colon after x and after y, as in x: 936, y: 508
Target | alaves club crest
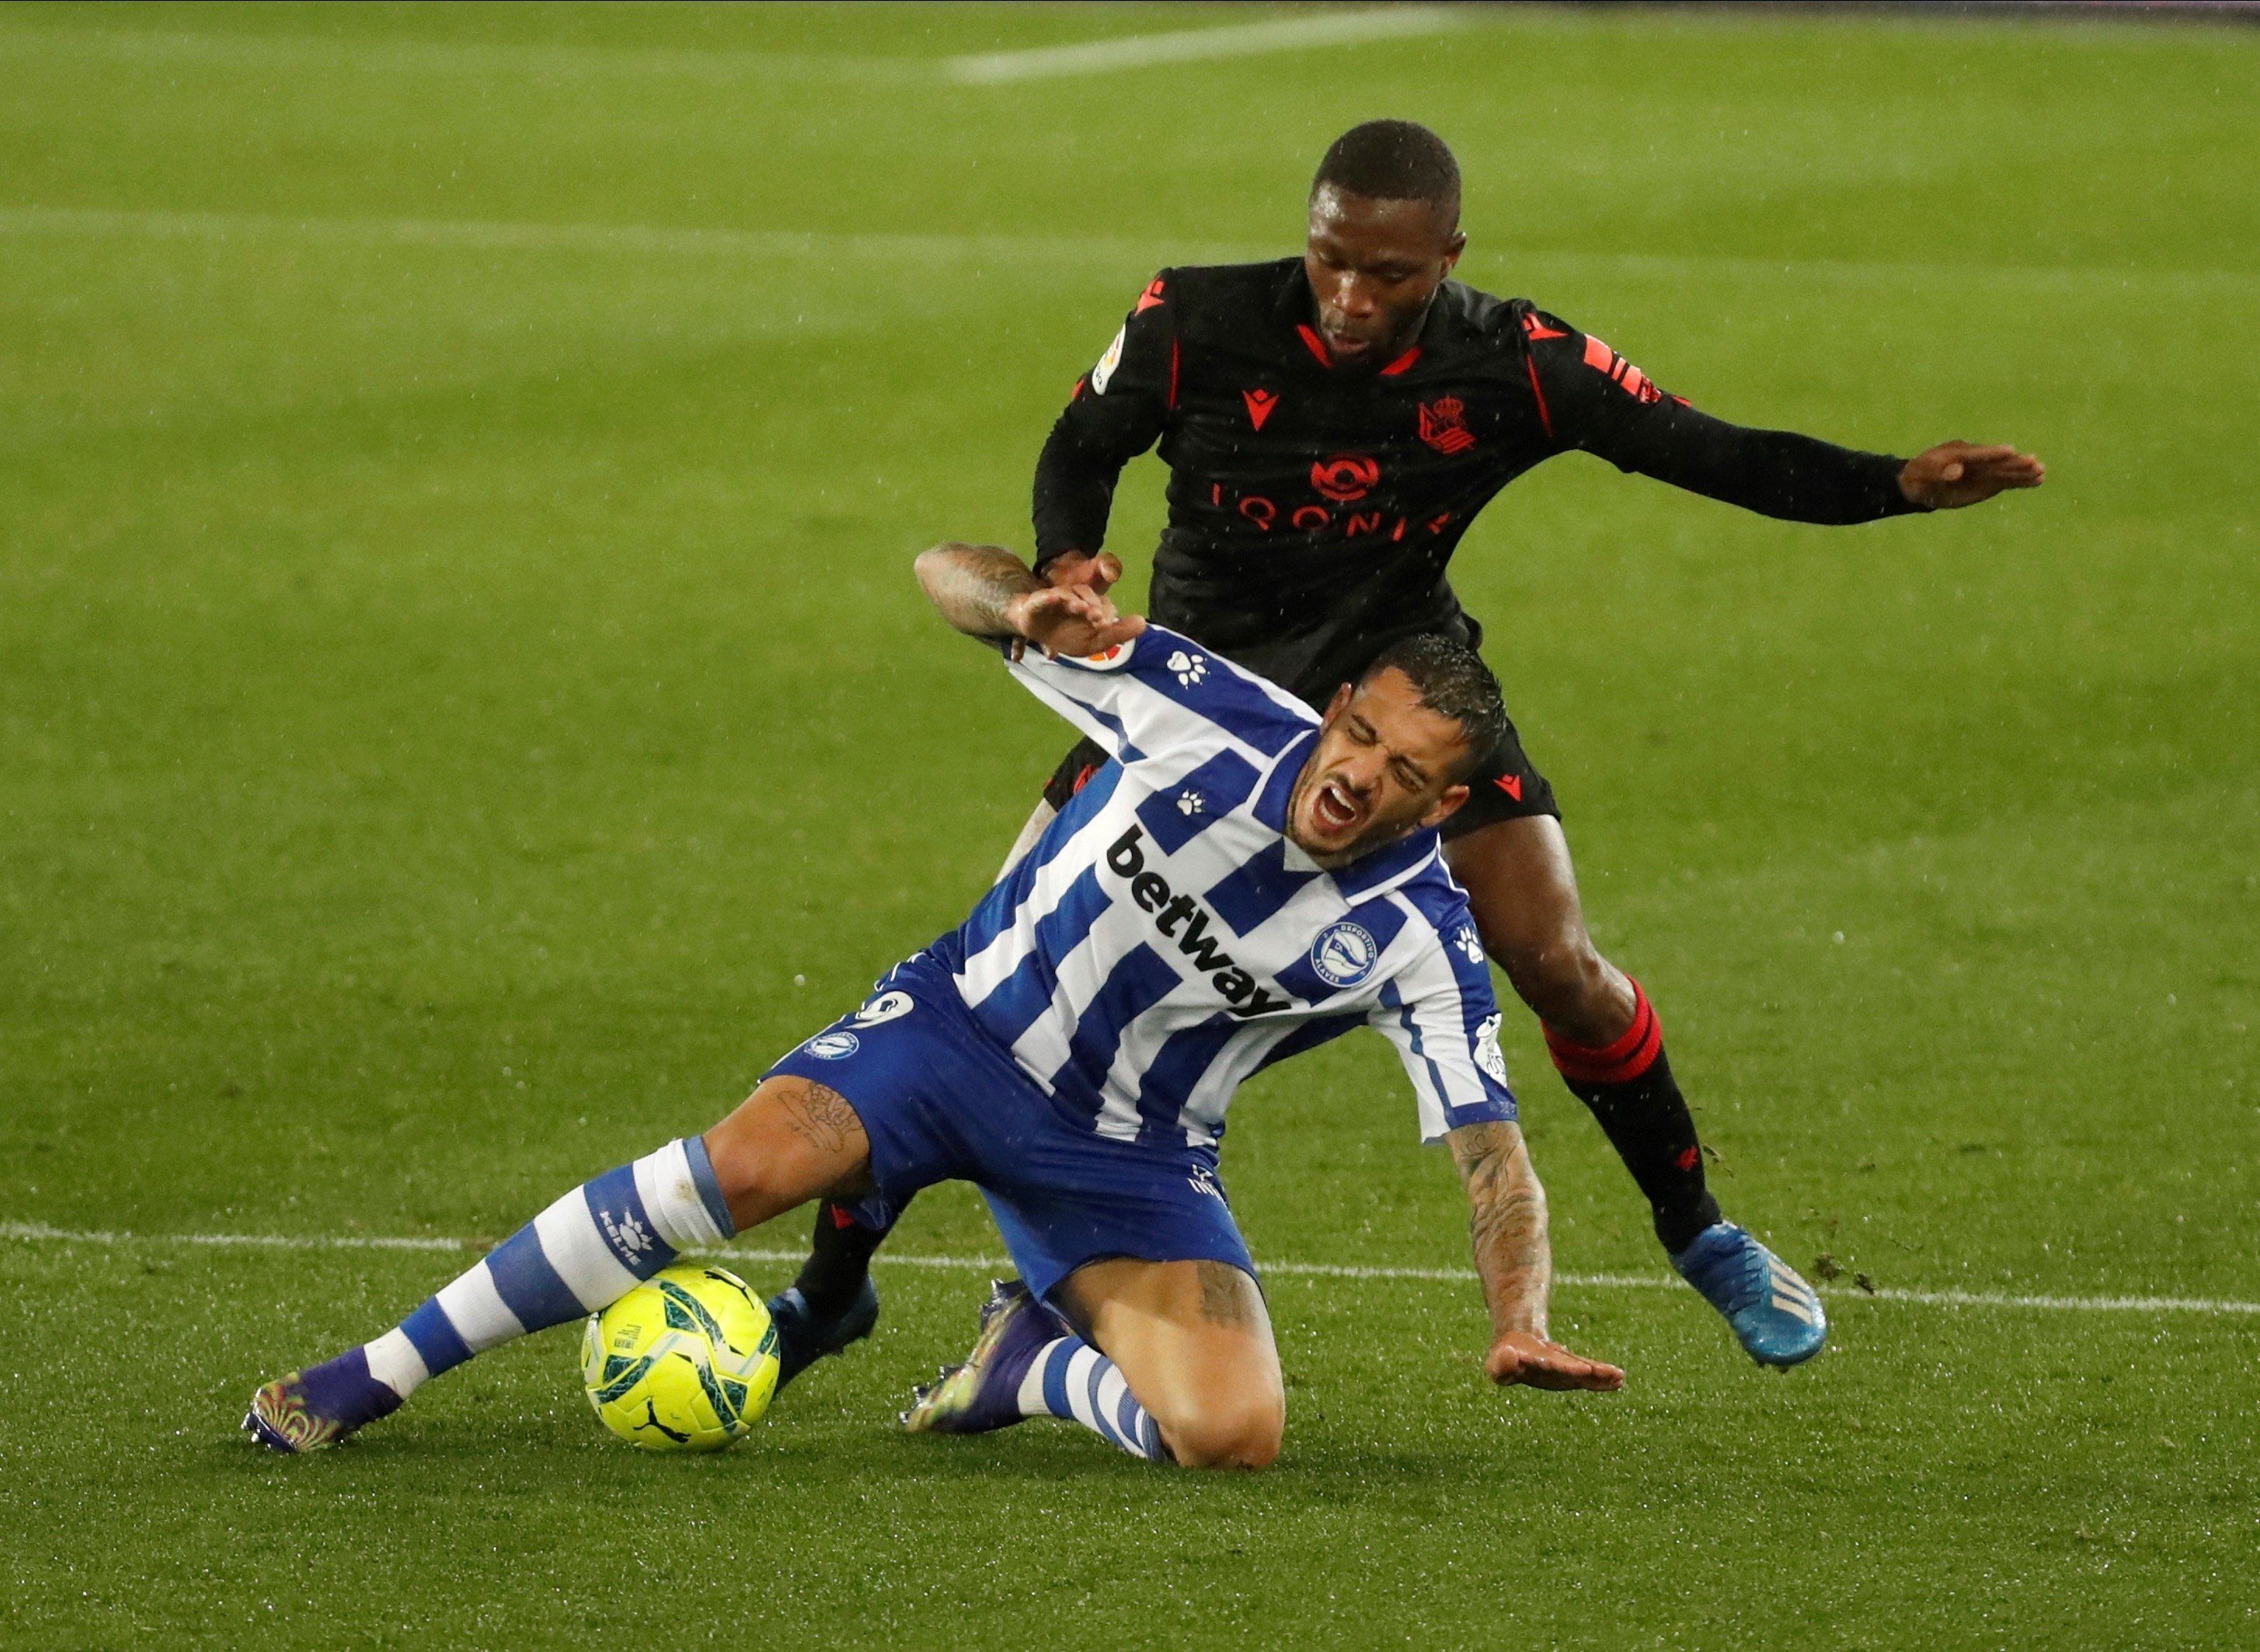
x: 1344, y: 954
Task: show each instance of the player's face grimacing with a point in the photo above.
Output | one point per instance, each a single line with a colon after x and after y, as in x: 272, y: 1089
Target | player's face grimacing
x: 1385, y: 766
x: 1373, y: 265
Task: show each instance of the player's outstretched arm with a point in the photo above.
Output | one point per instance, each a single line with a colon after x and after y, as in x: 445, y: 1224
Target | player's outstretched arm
x: 1592, y: 398
x: 985, y: 591
x: 1507, y: 1221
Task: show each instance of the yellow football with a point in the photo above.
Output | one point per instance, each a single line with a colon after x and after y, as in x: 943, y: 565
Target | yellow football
x: 685, y: 1362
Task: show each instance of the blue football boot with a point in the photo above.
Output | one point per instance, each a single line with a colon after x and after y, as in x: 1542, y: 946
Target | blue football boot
x: 984, y: 1392
x: 1775, y: 1315
x: 309, y: 1409
x: 803, y: 1338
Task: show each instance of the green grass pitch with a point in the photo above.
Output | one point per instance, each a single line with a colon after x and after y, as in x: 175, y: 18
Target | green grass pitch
x: 464, y: 710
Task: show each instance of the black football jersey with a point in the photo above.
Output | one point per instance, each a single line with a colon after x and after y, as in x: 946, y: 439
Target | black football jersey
x: 1312, y: 511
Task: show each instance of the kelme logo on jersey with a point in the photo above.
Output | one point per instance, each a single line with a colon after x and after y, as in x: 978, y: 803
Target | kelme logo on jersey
x: 1487, y: 1053
x: 889, y: 1006
x: 1187, y: 923
x: 1344, y: 954
x: 834, y: 1046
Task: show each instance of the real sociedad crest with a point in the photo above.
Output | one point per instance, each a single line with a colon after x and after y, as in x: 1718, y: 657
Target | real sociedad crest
x: 1344, y: 954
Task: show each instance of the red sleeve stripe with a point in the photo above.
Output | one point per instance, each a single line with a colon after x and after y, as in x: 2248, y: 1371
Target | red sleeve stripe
x: 1545, y: 415
x: 1173, y: 369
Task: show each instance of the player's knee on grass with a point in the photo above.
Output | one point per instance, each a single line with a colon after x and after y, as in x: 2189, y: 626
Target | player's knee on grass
x: 1193, y: 1340
x: 1238, y: 1431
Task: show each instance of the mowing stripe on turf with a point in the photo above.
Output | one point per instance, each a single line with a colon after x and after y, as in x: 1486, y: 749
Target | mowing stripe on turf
x: 36, y: 1232
x: 1186, y: 46
x: 490, y: 235
x: 527, y: 59
x: 1129, y: 253
x: 726, y: 67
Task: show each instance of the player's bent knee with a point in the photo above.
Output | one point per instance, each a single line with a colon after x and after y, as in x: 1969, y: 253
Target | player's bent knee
x: 1560, y: 975
x: 1245, y: 1435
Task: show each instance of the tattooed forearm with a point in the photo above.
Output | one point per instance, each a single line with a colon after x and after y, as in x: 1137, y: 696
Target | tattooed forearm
x: 822, y: 1118
x: 972, y: 584
x: 1506, y: 1223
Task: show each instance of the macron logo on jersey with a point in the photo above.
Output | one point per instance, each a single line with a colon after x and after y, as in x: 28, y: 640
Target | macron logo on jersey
x: 1126, y: 859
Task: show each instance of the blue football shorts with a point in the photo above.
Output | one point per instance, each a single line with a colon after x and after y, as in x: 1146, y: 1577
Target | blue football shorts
x: 941, y: 1100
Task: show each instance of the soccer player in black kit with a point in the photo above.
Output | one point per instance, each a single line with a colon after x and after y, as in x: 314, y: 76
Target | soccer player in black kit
x: 1333, y: 424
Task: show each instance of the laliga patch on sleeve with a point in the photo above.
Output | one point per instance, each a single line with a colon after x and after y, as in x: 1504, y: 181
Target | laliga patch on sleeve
x: 1106, y: 660
x: 1488, y: 1056
x: 1107, y: 363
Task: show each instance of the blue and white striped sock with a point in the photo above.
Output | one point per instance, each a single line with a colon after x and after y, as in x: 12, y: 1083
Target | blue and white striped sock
x: 587, y: 1250
x: 1070, y: 1378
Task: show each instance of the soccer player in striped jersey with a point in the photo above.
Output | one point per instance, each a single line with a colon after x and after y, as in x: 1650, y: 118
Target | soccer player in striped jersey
x: 1246, y: 880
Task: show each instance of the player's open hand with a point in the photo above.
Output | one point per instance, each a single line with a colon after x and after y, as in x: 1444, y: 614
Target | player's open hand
x: 1528, y: 1358
x: 1070, y: 619
x: 1079, y: 568
x: 1953, y: 474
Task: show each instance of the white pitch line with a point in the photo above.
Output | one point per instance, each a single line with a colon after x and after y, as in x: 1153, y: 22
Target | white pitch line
x: 36, y: 1232
x: 900, y: 250
x: 1187, y: 45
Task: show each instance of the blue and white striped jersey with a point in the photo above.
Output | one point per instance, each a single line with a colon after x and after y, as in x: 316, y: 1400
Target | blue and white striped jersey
x: 1163, y: 940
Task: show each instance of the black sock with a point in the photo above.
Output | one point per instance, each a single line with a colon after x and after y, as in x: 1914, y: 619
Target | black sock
x: 839, y: 1259
x: 1629, y: 1087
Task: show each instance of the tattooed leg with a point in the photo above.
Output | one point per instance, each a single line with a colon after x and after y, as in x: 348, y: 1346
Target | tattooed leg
x: 792, y: 1141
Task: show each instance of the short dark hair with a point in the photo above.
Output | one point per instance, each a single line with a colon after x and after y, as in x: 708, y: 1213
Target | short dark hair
x: 1453, y: 682
x: 1392, y: 160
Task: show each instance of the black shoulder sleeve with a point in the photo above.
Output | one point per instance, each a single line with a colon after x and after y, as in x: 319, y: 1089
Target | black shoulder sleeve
x: 1593, y: 399
x: 1118, y: 411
